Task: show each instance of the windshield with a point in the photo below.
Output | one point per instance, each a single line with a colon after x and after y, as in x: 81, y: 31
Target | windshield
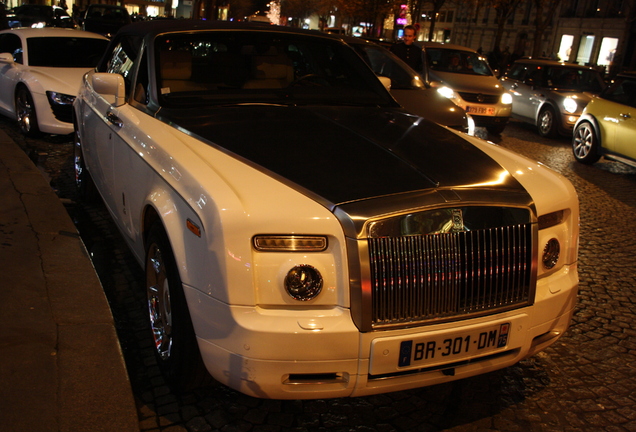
x: 384, y: 63
x: 66, y: 52
x: 457, y: 61
x: 565, y: 78
x: 236, y: 67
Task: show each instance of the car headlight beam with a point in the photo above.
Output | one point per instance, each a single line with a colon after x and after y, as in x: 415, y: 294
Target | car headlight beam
x: 447, y: 92
x: 570, y: 105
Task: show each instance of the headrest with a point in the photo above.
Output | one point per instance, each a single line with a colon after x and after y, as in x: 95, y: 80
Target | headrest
x: 269, y: 68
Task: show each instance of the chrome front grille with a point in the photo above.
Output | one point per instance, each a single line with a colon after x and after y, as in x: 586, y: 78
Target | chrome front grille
x: 420, y: 278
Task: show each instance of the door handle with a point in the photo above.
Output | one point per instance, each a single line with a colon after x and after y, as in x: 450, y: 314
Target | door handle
x: 113, y: 119
x: 625, y: 115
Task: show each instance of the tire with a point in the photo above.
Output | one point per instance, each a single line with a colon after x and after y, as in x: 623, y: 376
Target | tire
x: 25, y: 113
x: 173, y: 337
x: 84, y: 185
x: 585, y: 144
x: 495, y: 130
x: 547, y: 122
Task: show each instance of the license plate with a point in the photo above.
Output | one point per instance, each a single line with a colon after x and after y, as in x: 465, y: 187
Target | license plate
x: 480, y: 110
x: 423, y: 351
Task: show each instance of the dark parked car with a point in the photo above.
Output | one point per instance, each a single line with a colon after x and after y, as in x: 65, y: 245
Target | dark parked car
x: 410, y: 89
x: 105, y: 19
x: 33, y: 15
x: 551, y: 94
x: 462, y: 75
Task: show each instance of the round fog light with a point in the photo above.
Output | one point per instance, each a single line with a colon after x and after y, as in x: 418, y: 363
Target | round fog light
x: 551, y: 253
x: 303, y: 282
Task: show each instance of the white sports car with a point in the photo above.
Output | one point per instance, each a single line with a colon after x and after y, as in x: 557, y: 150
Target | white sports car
x: 40, y: 73
x: 305, y: 236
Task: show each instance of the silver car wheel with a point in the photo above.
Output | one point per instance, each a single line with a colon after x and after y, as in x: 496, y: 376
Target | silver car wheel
x: 159, y: 305
x: 25, y: 112
x: 547, y: 122
x: 585, y: 144
x: 582, y: 142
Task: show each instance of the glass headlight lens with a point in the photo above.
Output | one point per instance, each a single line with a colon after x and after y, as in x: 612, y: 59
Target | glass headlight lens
x: 551, y: 253
x: 570, y: 105
x: 303, y: 282
x: 60, y: 98
x: 447, y: 92
x: 506, y: 98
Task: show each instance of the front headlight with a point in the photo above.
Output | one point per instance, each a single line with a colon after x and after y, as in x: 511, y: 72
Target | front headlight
x: 506, y: 98
x: 570, y: 105
x: 447, y: 92
x: 60, y: 98
x: 303, y: 282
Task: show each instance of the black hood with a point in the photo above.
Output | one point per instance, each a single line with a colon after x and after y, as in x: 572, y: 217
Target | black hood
x: 345, y: 154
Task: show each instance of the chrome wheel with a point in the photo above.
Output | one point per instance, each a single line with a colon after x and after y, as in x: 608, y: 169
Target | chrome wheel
x: 171, y: 328
x: 25, y: 112
x: 547, y: 122
x: 585, y: 144
x: 159, y: 304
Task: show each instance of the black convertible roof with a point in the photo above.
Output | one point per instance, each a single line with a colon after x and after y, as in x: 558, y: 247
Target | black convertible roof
x: 159, y: 26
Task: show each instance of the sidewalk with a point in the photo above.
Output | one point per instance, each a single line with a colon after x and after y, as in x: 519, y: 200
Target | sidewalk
x: 61, y: 366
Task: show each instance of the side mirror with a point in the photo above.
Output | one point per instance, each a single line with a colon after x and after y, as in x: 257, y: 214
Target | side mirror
x: 386, y: 82
x: 529, y: 81
x: 110, y: 86
x: 6, y: 57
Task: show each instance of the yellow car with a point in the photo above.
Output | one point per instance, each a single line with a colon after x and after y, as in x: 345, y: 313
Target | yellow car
x: 607, y: 126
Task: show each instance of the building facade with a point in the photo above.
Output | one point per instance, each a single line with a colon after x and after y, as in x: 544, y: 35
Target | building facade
x: 591, y: 32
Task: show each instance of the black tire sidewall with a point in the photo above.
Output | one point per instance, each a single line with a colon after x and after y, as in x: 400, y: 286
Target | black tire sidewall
x: 552, y: 132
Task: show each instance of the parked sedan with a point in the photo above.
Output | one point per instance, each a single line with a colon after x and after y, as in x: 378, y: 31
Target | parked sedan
x: 551, y: 95
x: 464, y: 76
x: 39, y: 15
x: 607, y: 126
x: 105, y: 19
x: 303, y: 236
x: 410, y: 89
x: 40, y: 72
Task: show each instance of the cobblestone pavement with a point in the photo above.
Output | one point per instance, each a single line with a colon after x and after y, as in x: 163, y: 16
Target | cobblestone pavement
x: 585, y: 382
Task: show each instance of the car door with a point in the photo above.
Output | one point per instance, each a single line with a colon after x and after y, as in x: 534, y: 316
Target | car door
x: 111, y: 129
x: 9, y: 71
x: 624, y: 113
x: 522, y: 81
